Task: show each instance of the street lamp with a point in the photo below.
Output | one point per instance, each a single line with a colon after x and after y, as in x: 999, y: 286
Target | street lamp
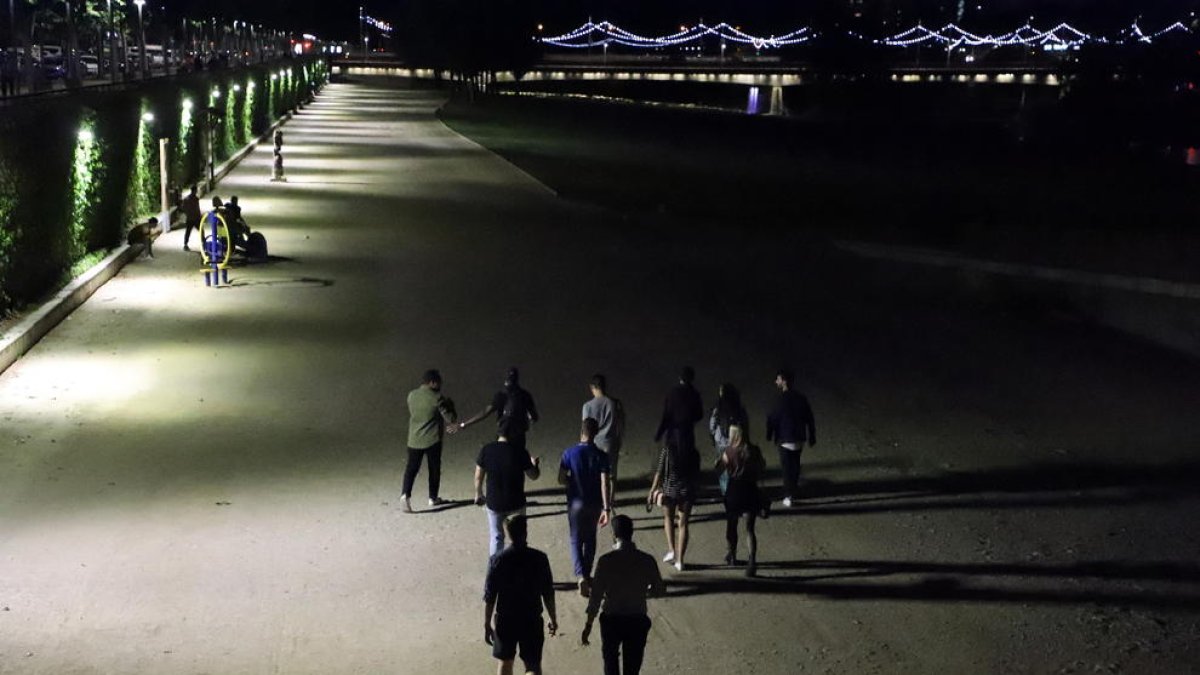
x: 141, y: 40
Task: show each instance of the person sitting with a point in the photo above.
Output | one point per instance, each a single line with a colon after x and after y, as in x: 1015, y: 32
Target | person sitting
x: 239, y: 231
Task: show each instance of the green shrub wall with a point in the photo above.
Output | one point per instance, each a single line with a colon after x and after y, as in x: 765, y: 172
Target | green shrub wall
x: 77, y: 170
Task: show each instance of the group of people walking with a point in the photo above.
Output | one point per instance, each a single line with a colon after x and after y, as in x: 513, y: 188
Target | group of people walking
x: 518, y: 581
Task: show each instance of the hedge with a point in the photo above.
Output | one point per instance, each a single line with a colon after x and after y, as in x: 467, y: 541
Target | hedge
x: 77, y: 170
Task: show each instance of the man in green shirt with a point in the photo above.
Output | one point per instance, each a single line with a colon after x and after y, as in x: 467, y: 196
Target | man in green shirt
x: 428, y: 414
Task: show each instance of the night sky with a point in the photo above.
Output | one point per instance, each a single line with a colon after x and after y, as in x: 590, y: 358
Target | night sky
x: 334, y: 19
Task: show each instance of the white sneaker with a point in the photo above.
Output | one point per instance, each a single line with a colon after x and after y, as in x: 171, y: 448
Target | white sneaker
x: 406, y: 504
x: 678, y: 567
x: 787, y: 502
x: 438, y: 501
x: 669, y: 557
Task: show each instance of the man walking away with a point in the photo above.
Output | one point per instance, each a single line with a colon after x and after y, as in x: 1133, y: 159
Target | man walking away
x: 511, y: 403
x: 584, y: 470
x: 624, y: 578
x: 503, y: 466
x: 518, y: 584
x: 681, y: 411
x: 790, y: 425
x: 610, y: 415
x: 428, y: 414
x: 191, y: 216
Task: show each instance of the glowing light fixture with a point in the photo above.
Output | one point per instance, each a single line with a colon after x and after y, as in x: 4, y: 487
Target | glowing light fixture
x: 148, y: 117
x: 86, y: 135
x: 187, y: 104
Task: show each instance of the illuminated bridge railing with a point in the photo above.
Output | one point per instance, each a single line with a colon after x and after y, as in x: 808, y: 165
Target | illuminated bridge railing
x: 754, y: 78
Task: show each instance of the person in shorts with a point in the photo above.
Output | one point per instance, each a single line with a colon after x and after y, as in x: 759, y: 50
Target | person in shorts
x: 518, y: 583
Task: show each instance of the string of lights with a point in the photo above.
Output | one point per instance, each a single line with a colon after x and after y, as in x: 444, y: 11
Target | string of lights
x: 950, y: 36
x: 381, y: 26
x: 605, y: 32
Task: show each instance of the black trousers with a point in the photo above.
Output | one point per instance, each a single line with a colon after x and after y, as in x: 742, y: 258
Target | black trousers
x: 187, y: 230
x: 414, y: 465
x: 789, y: 461
x: 623, y: 638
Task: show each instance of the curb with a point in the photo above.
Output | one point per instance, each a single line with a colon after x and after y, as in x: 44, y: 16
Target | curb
x: 528, y: 176
x: 27, y: 332
x: 934, y: 258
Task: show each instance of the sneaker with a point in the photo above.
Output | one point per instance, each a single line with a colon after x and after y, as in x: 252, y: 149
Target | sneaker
x: 787, y: 502
x: 669, y: 557
x: 186, y: 247
x: 438, y: 501
x: 751, y: 570
x: 678, y: 566
x: 406, y: 504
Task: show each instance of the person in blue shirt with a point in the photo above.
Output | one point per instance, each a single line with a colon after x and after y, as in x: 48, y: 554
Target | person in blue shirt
x: 584, y: 470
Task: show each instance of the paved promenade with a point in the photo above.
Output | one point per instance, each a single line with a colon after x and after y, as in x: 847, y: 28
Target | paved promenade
x: 198, y: 480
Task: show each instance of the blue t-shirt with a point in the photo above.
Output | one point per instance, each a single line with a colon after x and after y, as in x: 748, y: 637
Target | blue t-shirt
x: 585, y: 462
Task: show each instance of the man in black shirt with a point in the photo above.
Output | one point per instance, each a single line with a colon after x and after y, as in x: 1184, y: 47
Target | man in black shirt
x: 681, y: 411
x: 503, y: 466
x: 790, y: 425
x: 518, y: 583
x: 511, y: 404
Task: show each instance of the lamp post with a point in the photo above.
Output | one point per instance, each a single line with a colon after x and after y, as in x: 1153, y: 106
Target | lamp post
x: 12, y: 25
x: 141, y: 40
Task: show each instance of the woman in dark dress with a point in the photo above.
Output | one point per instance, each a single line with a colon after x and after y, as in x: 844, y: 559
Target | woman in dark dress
x: 743, y: 464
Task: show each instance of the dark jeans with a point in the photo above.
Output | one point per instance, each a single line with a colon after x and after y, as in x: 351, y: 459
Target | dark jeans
x: 187, y: 230
x: 789, y: 461
x: 582, y: 519
x: 623, y: 638
x: 414, y: 465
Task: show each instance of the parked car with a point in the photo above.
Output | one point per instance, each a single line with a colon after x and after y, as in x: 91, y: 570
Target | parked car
x: 53, y: 68
x: 89, y: 65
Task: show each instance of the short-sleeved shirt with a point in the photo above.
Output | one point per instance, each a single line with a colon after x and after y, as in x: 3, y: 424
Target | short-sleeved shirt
x: 426, y: 423
x: 517, y: 578
x: 504, y: 466
x: 585, y: 462
x: 610, y: 416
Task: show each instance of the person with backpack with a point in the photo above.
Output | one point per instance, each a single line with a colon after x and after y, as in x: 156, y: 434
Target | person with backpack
x: 514, y: 408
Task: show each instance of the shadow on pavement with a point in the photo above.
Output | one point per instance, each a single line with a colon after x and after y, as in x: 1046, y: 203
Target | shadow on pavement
x: 946, y: 582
